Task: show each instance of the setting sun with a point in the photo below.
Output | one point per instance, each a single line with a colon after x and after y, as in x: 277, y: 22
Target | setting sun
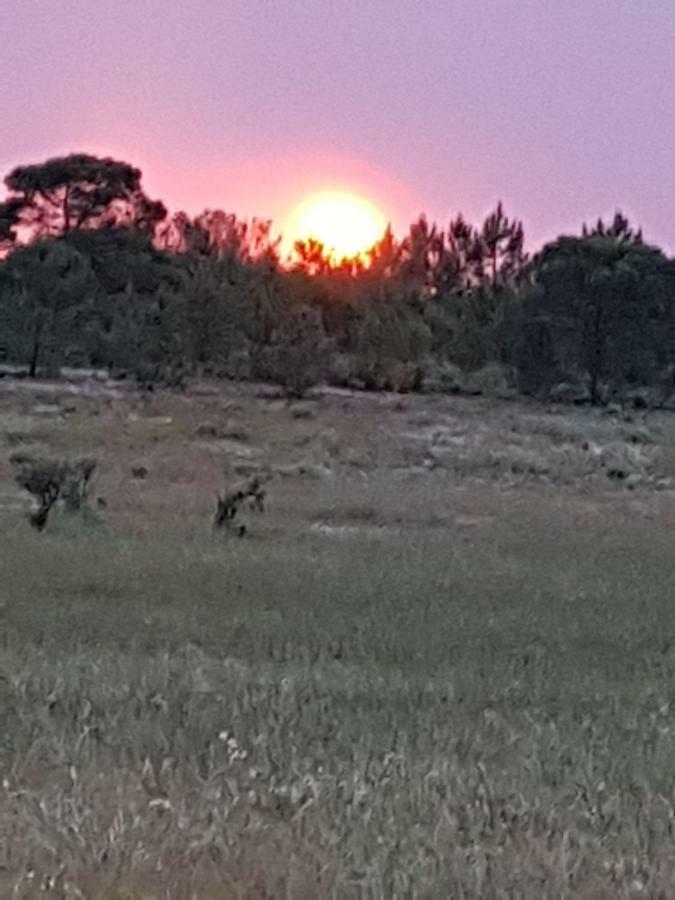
x: 346, y: 224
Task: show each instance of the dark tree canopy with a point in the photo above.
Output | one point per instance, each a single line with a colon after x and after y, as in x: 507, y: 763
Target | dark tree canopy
x: 76, y: 192
x: 601, y: 308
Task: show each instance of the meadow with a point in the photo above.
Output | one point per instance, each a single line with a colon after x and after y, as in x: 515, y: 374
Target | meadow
x: 441, y: 663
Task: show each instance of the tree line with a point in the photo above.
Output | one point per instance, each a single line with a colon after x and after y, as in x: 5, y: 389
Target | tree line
x: 94, y: 273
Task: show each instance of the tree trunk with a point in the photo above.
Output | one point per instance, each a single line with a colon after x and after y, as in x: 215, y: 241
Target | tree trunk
x: 597, y: 355
x: 37, y: 347
x: 32, y: 370
x: 66, y: 211
x: 595, y: 395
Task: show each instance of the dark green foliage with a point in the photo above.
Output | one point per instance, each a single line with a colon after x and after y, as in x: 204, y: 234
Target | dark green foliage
x: 48, y: 297
x: 217, y: 317
x: 474, y: 327
x: 102, y: 298
x: 122, y: 256
x: 296, y: 356
x: 388, y: 337
x: 147, y: 339
x: 601, y: 309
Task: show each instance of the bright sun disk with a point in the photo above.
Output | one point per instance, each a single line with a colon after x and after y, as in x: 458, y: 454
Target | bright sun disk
x: 346, y: 224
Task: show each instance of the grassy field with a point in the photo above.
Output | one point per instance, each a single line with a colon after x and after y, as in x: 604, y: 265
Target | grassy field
x: 442, y: 664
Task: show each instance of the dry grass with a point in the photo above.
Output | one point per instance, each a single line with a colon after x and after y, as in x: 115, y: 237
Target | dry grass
x: 480, y: 705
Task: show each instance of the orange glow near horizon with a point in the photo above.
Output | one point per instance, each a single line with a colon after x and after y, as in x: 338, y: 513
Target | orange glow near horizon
x: 346, y: 224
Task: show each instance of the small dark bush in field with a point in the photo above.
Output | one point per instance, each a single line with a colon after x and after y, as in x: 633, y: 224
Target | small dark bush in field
x: 229, y: 505
x: 40, y: 477
x: 226, y: 512
x: 38, y: 517
x: 52, y: 480
x: 302, y: 412
x: 230, y: 431
x: 139, y: 472
x: 76, y: 478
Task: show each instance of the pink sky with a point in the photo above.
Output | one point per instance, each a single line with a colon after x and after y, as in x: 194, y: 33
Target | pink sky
x: 563, y: 110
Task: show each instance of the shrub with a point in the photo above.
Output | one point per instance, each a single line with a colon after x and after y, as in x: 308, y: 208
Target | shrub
x: 297, y: 358
x: 441, y: 377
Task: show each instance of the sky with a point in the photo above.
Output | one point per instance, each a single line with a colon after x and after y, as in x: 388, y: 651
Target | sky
x: 563, y: 110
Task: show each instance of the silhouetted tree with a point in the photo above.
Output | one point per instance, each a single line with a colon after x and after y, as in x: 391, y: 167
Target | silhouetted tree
x: 503, y: 240
x: 421, y: 256
x: 383, y: 258
x: 463, y: 253
x: 78, y: 191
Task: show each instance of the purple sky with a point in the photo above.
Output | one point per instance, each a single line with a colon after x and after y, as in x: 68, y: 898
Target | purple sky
x: 565, y: 109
